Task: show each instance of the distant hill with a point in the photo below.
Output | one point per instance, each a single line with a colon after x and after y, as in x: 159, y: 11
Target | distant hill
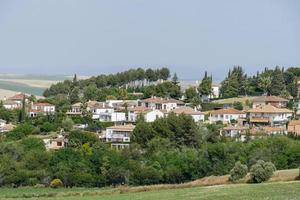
x: 31, y: 84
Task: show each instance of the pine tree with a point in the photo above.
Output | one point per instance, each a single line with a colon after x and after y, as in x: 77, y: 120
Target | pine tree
x: 205, y: 87
x: 175, y: 79
x: 277, y: 83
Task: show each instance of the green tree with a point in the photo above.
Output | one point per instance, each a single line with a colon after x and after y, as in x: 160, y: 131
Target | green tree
x: 175, y: 79
x: 67, y: 124
x: 261, y: 171
x: 164, y: 73
x: 74, y: 95
x: 277, y: 82
x: 205, y: 87
x: 238, y: 172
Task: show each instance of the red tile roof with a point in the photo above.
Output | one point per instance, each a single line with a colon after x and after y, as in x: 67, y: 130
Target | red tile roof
x: 227, y: 111
x: 161, y: 100
x: 269, y: 99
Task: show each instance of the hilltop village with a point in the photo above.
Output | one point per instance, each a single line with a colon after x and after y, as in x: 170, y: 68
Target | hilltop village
x: 140, y: 112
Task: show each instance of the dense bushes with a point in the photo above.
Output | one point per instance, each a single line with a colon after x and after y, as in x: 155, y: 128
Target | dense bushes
x: 261, y: 171
x: 238, y: 172
x: 91, y: 163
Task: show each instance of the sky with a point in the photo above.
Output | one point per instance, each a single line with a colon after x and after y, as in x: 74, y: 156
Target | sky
x: 188, y: 36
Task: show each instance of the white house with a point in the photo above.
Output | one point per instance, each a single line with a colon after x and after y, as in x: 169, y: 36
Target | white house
x: 18, y: 98
x: 104, y: 113
x: 160, y: 103
x: 226, y: 115
x: 215, y: 91
x: 196, y: 115
x: 76, y: 109
x: 269, y: 115
x: 118, y: 136
x: 44, y: 108
x: 149, y: 115
x: 10, y: 105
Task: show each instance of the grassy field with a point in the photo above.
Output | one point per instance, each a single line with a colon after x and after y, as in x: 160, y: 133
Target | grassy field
x: 271, y: 190
x: 235, y: 99
x: 281, y: 186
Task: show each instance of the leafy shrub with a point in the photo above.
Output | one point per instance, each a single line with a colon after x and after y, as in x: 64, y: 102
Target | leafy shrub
x: 261, y: 171
x: 239, y: 171
x: 238, y: 105
x: 56, y: 183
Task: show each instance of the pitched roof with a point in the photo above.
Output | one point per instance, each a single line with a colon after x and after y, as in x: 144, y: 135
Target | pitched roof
x: 43, y: 104
x: 128, y: 127
x: 227, y: 111
x: 139, y: 109
x: 77, y: 104
x: 96, y: 104
x: 186, y: 110
x: 18, y: 97
x: 9, y: 102
x: 269, y: 99
x: 161, y: 100
x: 269, y: 109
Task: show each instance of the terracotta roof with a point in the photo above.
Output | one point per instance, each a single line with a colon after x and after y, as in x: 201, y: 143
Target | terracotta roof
x: 139, y: 109
x: 43, y: 104
x: 128, y: 127
x: 96, y: 104
x: 186, y: 110
x: 18, y: 97
x: 77, y: 104
x: 294, y: 122
x: 227, y: 111
x: 161, y: 100
x: 269, y: 109
x: 269, y: 99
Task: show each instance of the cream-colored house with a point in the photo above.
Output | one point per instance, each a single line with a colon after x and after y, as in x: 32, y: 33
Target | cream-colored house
x: 118, y: 135
x: 148, y: 114
x: 43, y: 108
x: 196, y: 115
x: 55, y: 143
x: 226, y: 115
x: 76, y: 109
x: 269, y: 100
x: 159, y: 103
x: 269, y: 115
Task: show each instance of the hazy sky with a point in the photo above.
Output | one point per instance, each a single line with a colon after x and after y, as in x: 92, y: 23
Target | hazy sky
x: 189, y: 36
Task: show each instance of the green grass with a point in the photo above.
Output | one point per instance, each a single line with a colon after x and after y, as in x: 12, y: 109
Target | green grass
x: 271, y: 190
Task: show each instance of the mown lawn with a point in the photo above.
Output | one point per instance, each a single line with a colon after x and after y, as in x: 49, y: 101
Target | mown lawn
x: 271, y: 190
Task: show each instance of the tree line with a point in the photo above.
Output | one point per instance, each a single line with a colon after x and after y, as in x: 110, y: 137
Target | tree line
x: 131, y: 78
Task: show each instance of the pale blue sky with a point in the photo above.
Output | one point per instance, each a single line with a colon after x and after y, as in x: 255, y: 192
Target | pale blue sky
x: 189, y: 36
